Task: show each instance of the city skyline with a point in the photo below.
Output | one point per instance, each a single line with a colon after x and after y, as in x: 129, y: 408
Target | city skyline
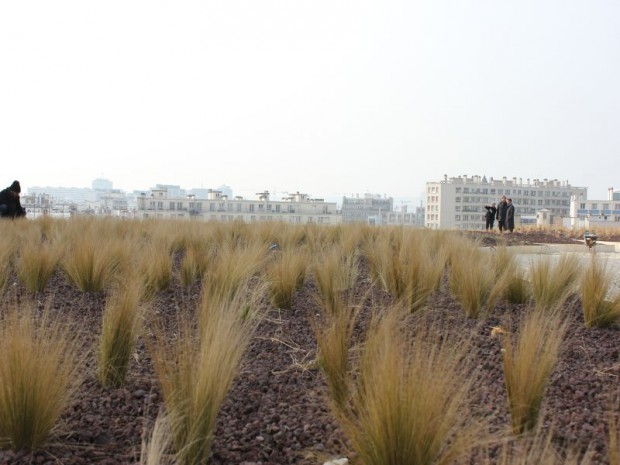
x: 328, y: 97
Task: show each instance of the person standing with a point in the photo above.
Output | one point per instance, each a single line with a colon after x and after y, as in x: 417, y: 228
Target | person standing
x: 490, y: 216
x: 10, y: 206
x: 502, y: 210
x: 510, y: 216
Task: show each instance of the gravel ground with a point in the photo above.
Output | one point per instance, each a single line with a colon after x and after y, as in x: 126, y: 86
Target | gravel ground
x: 276, y: 412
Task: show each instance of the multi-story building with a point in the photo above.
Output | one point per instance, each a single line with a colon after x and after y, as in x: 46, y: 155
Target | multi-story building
x: 367, y: 209
x: 404, y: 217
x: 297, y: 208
x: 591, y: 213
x: 458, y: 203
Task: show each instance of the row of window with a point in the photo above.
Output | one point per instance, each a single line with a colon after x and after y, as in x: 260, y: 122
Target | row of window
x: 524, y: 192
x: 517, y: 202
x: 604, y: 206
x: 226, y: 206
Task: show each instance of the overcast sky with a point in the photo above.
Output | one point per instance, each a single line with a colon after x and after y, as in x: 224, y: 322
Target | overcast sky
x: 328, y: 97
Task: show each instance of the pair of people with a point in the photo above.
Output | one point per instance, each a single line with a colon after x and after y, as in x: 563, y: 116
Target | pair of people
x: 10, y: 206
x: 504, y: 213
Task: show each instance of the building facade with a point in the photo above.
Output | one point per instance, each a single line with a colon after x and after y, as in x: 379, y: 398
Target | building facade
x: 366, y: 209
x: 458, y: 202
x: 297, y: 208
x: 589, y: 214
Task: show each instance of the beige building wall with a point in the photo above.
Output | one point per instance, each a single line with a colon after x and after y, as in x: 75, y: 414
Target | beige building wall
x: 296, y: 209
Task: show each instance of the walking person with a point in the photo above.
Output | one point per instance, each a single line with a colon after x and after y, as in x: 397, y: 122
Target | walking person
x: 490, y: 216
x: 10, y: 206
x: 510, y: 216
x: 502, y: 211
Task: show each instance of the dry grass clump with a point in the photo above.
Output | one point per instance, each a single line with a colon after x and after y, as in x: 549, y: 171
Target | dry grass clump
x: 7, y: 252
x: 334, y: 332
x: 335, y: 273
x: 232, y: 266
x: 407, y: 266
x: 37, y: 261
x: 599, y: 308
x: 39, y: 368
x: 528, y: 362
x: 536, y: 449
x: 155, y: 445
x: 194, y: 264
x: 408, y: 397
x: 120, y: 328
x: 90, y: 262
x: 553, y: 284
x: 156, y: 267
x: 285, y: 274
x: 474, y: 282
x: 197, y: 368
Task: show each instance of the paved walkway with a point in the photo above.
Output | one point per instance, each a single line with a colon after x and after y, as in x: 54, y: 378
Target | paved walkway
x: 608, y: 253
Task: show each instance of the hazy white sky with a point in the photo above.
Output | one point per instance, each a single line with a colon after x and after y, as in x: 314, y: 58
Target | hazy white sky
x: 329, y: 97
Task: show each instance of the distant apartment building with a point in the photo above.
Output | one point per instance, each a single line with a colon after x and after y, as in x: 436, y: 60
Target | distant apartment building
x: 404, y: 217
x: 296, y: 209
x: 366, y: 209
x: 66, y: 194
x: 590, y: 214
x: 458, y: 202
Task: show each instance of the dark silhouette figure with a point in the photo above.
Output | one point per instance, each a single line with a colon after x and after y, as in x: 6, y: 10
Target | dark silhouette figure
x: 10, y: 206
x: 490, y: 215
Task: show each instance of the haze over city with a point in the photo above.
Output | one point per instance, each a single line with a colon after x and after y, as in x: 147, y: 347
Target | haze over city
x: 327, y: 97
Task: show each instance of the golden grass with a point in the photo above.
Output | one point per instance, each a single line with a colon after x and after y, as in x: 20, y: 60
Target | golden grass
x: 193, y: 265
x: 156, y: 444
x: 409, y: 398
x: 37, y: 261
x: 536, y: 449
x: 197, y: 368
x: 39, y: 370
x: 334, y: 332
x: 285, y: 274
x: 91, y: 262
x: 599, y: 308
x: 528, y: 362
x: 155, y: 266
x: 474, y: 282
x: 7, y: 252
x: 232, y: 267
x: 407, y: 266
x: 334, y: 273
x: 554, y: 283
x: 121, y: 325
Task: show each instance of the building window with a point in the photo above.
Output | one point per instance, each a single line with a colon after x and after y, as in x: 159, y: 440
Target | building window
x: 238, y: 207
x: 211, y: 207
x: 171, y: 205
x: 251, y: 208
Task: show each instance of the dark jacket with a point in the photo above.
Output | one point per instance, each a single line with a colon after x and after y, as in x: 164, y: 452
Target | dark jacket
x: 502, y: 210
x: 10, y: 206
x: 510, y: 216
x: 491, y: 212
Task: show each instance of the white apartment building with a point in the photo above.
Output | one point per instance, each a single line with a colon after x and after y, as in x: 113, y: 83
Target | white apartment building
x: 297, y: 208
x: 589, y: 214
x: 458, y: 202
x: 404, y: 217
x: 368, y: 208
